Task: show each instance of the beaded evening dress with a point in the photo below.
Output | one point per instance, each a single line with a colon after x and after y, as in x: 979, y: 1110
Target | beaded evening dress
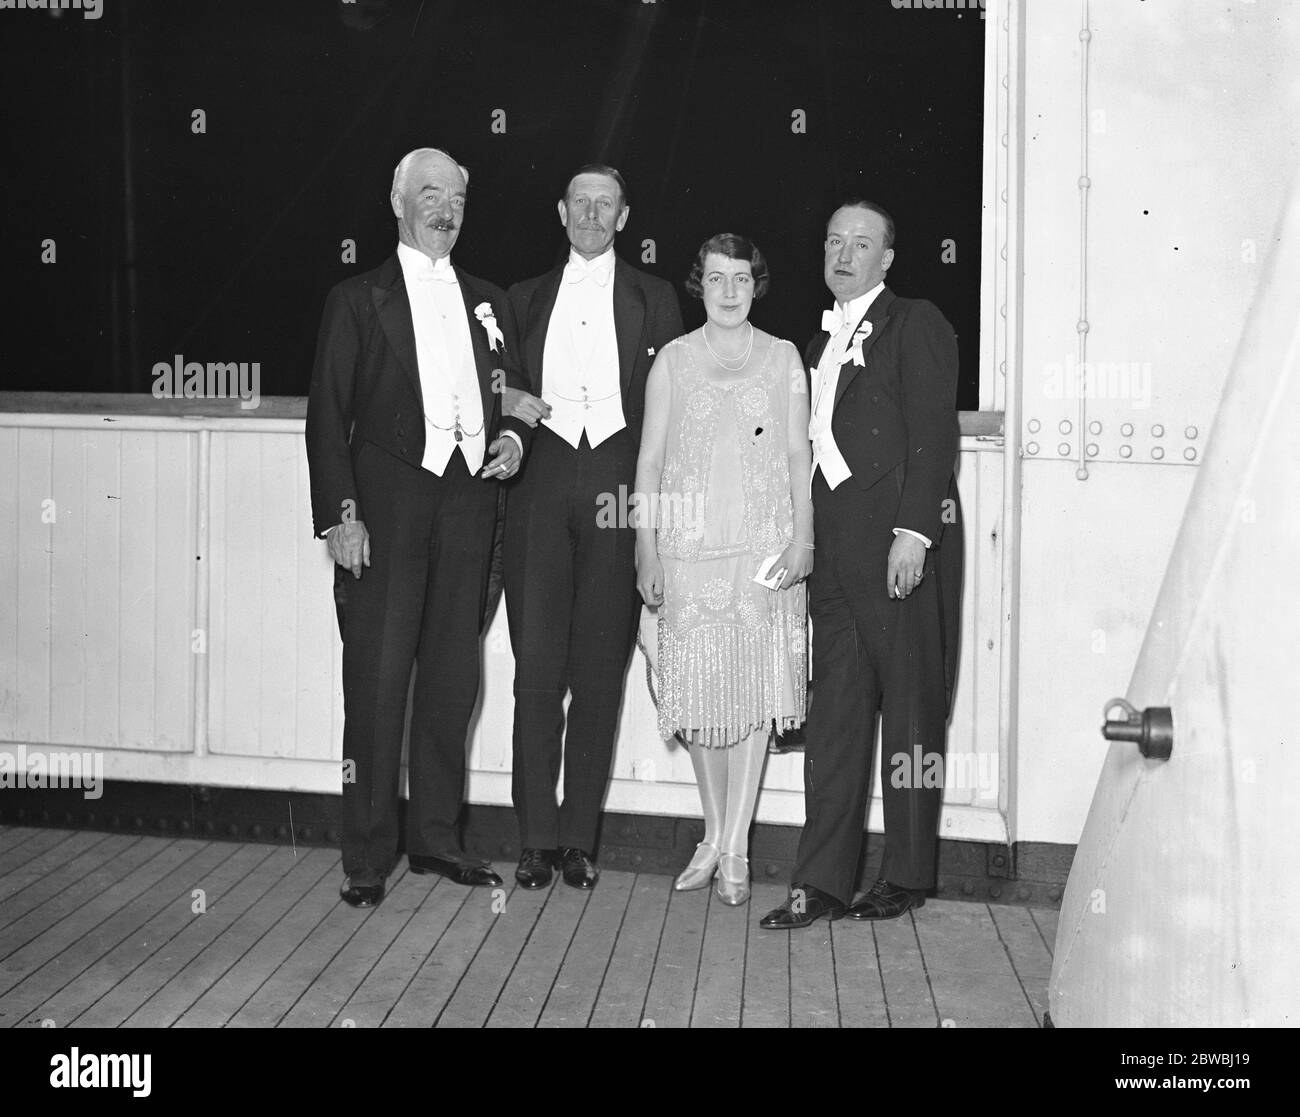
x: 733, y: 655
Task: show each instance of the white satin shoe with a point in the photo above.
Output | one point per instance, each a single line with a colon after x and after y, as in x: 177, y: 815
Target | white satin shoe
x: 700, y: 871
x: 733, y: 889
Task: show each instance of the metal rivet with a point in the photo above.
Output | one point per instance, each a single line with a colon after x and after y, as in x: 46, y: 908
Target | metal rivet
x: 995, y: 892
x: 1065, y: 426
x: 183, y: 826
x: 1126, y: 451
x: 1092, y: 450
x: 282, y: 832
x: 1157, y: 431
x: 1126, y: 430
x: 1082, y: 326
x: 771, y: 870
x: 999, y: 860
x: 1054, y: 894
x: 1094, y: 427
x: 967, y: 889
x: 1191, y: 432
x: 636, y: 859
x: 1034, y: 426
x: 1190, y: 453
x: 138, y: 822
x: 1158, y: 453
x: 332, y: 835
x: 1031, y: 448
x: 1063, y: 449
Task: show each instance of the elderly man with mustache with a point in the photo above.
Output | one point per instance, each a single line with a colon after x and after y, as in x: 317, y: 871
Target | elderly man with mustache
x: 406, y: 445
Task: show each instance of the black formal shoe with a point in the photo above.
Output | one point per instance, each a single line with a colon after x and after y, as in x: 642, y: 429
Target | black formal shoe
x: 886, y: 901
x: 577, y: 867
x: 535, y: 866
x: 362, y: 895
x: 803, y: 907
x: 462, y: 872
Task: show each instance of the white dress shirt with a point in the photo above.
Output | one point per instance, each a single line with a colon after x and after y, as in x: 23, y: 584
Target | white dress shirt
x: 580, y: 375
x: 826, y: 379
x: 445, y: 354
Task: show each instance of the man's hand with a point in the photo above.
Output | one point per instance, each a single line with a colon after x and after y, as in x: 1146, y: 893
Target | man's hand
x: 906, y: 565
x: 349, y: 546
x: 518, y: 404
x: 508, y: 457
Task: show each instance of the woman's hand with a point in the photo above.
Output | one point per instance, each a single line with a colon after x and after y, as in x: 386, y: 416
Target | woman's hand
x: 650, y: 577
x: 798, y: 563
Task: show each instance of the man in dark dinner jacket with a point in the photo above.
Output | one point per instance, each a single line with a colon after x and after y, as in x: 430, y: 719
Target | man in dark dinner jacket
x: 885, y: 591
x: 406, y: 446
x: 589, y: 331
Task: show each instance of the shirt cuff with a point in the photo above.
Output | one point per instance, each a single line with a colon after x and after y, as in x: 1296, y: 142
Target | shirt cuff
x: 518, y: 441
x: 918, y: 535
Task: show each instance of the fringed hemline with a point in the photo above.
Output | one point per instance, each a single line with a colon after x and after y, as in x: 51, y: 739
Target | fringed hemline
x: 724, y: 681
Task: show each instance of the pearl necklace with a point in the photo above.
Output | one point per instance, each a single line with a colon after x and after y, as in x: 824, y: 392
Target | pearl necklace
x: 722, y: 361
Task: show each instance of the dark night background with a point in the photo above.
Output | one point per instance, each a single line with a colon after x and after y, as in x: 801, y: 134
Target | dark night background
x: 237, y: 233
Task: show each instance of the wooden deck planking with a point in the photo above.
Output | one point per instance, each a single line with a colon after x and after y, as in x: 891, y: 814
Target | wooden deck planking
x: 767, y: 964
x: 382, y: 987
x: 12, y: 836
x: 1029, y: 955
x: 53, y: 871
x: 857, y: 976
x: 517, y: 913
x: 311, y: 893
x: 47, y: 931
x: 166, y: 983
x: 169, y: 1003
x: 909, y: 1000
x: 528, y: 990
x: 163, y: 923
x: 621, y: 1000
x: 677, y: 962
x: 720, y: 987
x: 814, y: 999
x: 974, y: 982
x: 25, y: 844
x: 1046, y: 920
x: 98, y: 930
x: 100, y: 927
x: 438, y: 976
x: 573, y: 995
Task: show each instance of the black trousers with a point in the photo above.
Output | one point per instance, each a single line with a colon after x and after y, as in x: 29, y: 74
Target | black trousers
x: 420, y: 602
x: 571, y: 599
x: 873, y: 653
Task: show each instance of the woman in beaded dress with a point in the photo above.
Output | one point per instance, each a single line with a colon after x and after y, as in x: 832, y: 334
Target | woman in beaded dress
x: 722, y: 486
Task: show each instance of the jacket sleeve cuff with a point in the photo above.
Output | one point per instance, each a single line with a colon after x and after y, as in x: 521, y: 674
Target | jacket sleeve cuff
x: 918, y: 535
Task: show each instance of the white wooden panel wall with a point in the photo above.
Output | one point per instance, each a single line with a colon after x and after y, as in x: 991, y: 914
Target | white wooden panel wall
x: 97, y: 587
x: 179, y: 605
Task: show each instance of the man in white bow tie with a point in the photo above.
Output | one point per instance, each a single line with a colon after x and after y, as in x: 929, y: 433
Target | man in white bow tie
x: 406, y: 446
x: 589, y: 333
x: 885, y: 592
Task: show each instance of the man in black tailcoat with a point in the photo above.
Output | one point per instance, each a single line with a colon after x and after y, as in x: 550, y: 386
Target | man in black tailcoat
x: 884, y: 595
x: 406, y: 446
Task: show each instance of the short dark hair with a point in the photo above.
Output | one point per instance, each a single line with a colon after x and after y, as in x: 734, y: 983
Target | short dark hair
x: 735, y: 247
x: 599, y: 169
x: 872, y: 207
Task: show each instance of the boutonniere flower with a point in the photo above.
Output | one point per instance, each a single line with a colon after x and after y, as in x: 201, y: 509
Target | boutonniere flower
x: 855, y: 346
x: 486, y: 319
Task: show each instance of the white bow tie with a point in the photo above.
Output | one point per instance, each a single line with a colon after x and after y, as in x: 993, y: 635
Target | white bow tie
x: 440, y: 272
x: 833, y: 320
x: 575, y: 271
